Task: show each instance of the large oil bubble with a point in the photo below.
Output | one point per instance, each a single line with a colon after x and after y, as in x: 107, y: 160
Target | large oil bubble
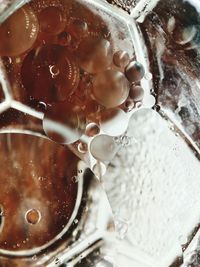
x: 64, y: 122
x: 110, y: 88
x: 19, y: 32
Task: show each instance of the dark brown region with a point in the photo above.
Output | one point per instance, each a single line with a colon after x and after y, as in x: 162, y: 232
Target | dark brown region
x: 35, y: 174
x: 1, y: 94
x: 177, y: 90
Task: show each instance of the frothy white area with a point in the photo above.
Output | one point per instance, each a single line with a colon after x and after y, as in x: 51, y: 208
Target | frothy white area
x: 154, y: 187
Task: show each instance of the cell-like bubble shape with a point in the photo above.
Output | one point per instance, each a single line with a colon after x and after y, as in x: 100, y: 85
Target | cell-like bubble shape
x: 50, y: 73
x: 19, y: 32
x: 64, y: 122
x: 134, y: 71
x: 121, y: 59
x: 114, y: 122
x: 110, y: 88
x: 136, y: 93
x: 95, y: 54
x: 92, y: 129
x: 33, y: 216
x: 103, y: 147
x: 51, y: 20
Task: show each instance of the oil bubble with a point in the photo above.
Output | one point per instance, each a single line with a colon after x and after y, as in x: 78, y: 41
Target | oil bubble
x: 110, y: 88
x: 103, y: 147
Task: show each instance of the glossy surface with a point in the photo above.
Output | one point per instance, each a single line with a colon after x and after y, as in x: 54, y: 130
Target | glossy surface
x: 37, y: 193
x: 19, y: 32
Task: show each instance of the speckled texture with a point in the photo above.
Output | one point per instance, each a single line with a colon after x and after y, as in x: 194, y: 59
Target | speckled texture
x: 153, y: 186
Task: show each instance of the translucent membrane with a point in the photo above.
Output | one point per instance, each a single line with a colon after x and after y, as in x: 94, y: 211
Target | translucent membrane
x: 103, y: 147
x: 51, y: 20
x: 19, y: 32
x: 64, y: 122
x: 110, y: 88
x: 114, y: 121
x: 95, y: 54
x: 50, y: 73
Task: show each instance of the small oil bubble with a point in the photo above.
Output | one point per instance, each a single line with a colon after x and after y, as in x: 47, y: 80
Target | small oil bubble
x: 134, y: 71
x: 82, y: 147
x: 33, y: 216
x: 92, y: 129
x: 54, y: 70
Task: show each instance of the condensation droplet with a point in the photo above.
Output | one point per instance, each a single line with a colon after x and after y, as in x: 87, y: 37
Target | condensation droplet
x: 110, y: 88
x: 134, y: 71
x: 103, y: 147
x: 33, y: 216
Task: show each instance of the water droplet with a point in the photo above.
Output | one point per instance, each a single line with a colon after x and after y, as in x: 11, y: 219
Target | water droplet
x: 64, y: 122
x: 134, y: 71
x: 51, y: 20
x: 110, y: 88
x: 33, y: 216
x: 17, y: 38
x: 136, y: 93
x: 121, y: 59
x: 95, y: 54
x: 103, y: 147
x: 114, y: 121
x: 92, y: 129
